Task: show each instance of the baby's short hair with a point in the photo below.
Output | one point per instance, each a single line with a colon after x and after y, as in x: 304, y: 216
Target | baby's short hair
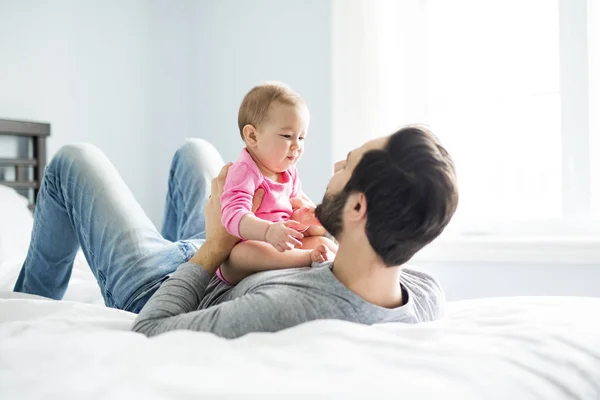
x: 255, y: 106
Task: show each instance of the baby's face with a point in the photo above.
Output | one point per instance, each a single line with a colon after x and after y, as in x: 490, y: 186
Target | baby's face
x: 280, y: 138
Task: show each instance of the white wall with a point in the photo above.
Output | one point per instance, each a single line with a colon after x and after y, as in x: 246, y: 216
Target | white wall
x: 137, y: 77
x: 171, y: 105
x: 83, y: 67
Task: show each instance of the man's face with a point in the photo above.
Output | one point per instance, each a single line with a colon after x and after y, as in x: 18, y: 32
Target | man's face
x: 330, y: 211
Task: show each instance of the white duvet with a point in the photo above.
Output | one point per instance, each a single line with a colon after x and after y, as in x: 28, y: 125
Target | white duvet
x: 505, y: 348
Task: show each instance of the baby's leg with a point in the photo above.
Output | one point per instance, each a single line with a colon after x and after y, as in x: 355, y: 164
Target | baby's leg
x: 252, y: 256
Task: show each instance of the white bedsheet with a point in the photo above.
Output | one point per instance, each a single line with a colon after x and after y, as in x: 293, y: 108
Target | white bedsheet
x: 515, y: 348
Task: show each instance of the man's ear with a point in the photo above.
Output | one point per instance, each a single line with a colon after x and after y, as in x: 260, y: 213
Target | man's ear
x: 358, y: 202
x: 250, y: 135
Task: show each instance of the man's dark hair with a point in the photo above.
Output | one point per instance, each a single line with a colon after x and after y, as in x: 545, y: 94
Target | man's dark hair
x: 411, y: 192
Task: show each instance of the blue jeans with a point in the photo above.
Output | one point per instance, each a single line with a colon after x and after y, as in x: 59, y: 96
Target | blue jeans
x: 83, y: 201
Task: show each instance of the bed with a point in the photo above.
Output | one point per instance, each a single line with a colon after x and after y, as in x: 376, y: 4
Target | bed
x: 496, y: 348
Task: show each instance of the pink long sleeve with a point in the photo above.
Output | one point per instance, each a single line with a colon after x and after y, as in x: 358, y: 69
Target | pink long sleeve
x: 236, y: 201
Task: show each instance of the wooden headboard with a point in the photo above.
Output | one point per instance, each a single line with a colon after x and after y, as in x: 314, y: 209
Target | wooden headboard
x: 36, y: 133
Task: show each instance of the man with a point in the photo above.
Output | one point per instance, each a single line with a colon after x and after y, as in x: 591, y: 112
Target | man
x: 387, y: 200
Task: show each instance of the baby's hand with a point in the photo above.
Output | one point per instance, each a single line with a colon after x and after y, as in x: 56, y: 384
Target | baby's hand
x: 283, y: 235
x: 306, y: 217
x: 319, y: 254
x: 300, y: 202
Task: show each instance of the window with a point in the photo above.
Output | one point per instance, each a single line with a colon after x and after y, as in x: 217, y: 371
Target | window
x: 508, y: 86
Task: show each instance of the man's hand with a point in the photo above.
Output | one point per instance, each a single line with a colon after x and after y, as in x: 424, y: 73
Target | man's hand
x: 219, y: 242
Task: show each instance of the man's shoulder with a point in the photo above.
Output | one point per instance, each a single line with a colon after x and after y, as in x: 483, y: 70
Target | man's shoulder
x: 424, y: 291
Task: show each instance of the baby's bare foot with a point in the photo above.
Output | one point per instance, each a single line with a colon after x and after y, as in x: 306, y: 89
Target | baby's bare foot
x: 319, y: 254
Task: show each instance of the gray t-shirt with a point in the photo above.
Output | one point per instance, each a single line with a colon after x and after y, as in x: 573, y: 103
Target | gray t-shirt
x: 274, y: 300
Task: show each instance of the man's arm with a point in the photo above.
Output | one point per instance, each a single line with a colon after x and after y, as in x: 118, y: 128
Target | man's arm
x: 174, y: 306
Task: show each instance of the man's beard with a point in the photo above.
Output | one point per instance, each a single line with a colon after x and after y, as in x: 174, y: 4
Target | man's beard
x: 329, y: 212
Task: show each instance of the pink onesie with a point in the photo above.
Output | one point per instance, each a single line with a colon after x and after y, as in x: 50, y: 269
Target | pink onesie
x: 243, y: 179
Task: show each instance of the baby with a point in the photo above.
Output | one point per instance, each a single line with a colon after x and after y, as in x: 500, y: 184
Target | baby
x: 283, y: 232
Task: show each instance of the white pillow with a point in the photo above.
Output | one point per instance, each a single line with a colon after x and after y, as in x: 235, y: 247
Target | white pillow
x: 16, y: 223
